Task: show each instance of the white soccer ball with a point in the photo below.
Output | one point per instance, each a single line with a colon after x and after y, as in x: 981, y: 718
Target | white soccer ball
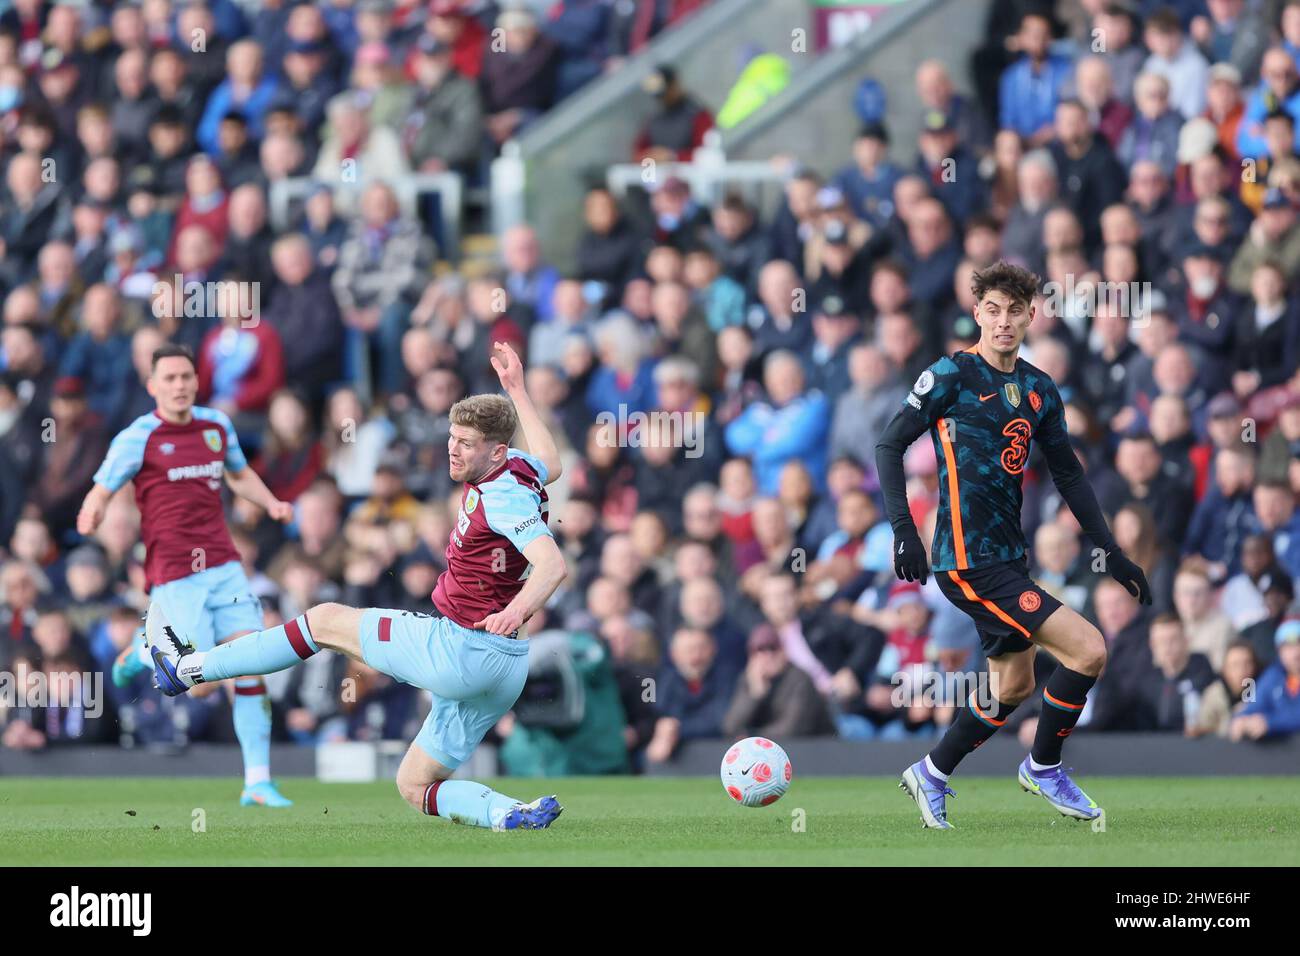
x: 756, y: 772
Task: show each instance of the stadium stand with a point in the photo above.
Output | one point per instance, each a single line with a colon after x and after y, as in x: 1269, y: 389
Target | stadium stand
x: 341, y: 206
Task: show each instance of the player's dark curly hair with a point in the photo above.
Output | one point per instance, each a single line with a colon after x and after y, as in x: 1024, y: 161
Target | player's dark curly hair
x: 1020, y: 284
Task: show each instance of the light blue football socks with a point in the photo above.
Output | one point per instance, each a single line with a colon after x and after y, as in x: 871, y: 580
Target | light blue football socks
x: 264, y: 652
x: 467, y: 802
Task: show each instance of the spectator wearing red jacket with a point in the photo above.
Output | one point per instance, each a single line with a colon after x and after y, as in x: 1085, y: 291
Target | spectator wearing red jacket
x: 241, y: 362
x: 205, y: 205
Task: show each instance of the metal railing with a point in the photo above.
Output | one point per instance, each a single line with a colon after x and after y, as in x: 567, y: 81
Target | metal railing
x: 286, y: 195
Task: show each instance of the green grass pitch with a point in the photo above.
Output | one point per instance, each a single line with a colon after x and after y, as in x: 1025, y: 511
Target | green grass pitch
x: 1246, y: 821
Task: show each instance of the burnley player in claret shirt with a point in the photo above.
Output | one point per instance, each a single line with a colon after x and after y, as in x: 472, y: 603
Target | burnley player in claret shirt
x: 176, y: 457
x: 983, y: 408
x: 472, y: 656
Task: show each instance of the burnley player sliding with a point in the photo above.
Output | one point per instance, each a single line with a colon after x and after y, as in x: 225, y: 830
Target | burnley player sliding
x: 982, y: 408
x: 502, y: 566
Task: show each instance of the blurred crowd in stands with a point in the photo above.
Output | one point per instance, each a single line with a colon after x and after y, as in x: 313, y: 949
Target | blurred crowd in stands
x: 730, y: 566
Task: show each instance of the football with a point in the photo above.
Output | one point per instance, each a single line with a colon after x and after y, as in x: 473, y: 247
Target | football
x: 756, y: 772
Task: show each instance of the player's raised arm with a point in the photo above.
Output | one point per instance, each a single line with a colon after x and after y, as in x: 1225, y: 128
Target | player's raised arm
x: 930, y: 397
x: 1072, y: 482
x: 547, y: 571
x: 537, y: 436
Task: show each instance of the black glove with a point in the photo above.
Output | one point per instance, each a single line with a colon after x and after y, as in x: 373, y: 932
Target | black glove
x: 910, y: 562
x: 1119, y: 567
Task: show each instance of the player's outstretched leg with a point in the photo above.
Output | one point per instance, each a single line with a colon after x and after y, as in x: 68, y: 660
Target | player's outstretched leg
x: 424, y: 784
x: 178, y: 667
x: 1081, y: 653
x: 926, y: 781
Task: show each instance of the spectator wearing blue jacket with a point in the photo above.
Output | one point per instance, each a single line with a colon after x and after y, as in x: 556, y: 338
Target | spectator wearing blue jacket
x: 868, y: 182
x: 1226, y: 515
x: 100, y: 354
x: 1279, y: 88
x: 1031, y: 87
x: 1275, y: 711
x: 694, y: 692
x: 791, y: 425
x: 247, y: 89
x: 625, y: 378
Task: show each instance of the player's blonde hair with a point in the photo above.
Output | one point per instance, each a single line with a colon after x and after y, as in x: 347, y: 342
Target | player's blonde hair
x: 493, y: 415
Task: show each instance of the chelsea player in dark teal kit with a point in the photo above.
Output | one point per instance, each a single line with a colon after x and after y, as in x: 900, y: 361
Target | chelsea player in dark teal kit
x: 983, y: 408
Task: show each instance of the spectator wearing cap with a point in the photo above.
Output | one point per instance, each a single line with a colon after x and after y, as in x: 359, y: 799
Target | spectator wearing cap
x: 790, y: 425
x: 677, y: 127
x: 68, y: 465
x: 1275, y: 711
x: 679, y: 220
x: 247, y: 89
x: 59, y: 81
x: 1177, y: 59
x: 1225, y: 107
x: 949, y: 165
x: 520, y: 82
x: 1030, y: 87
x: 451, y: 23
x: 868, y: 182
x: 1274, y: 237
x: 307, y: 85
x: 374, y: 83
x: 1279, y: 518
x: 1153, y: 134
x: 99, y: 355
x: 441, y: 120
x: 1278, y: 91
x: 357, y: 152
x: 836, y: 329
x: 1208, y: 310
x: 1094, y: 87
x: 773, y: 698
